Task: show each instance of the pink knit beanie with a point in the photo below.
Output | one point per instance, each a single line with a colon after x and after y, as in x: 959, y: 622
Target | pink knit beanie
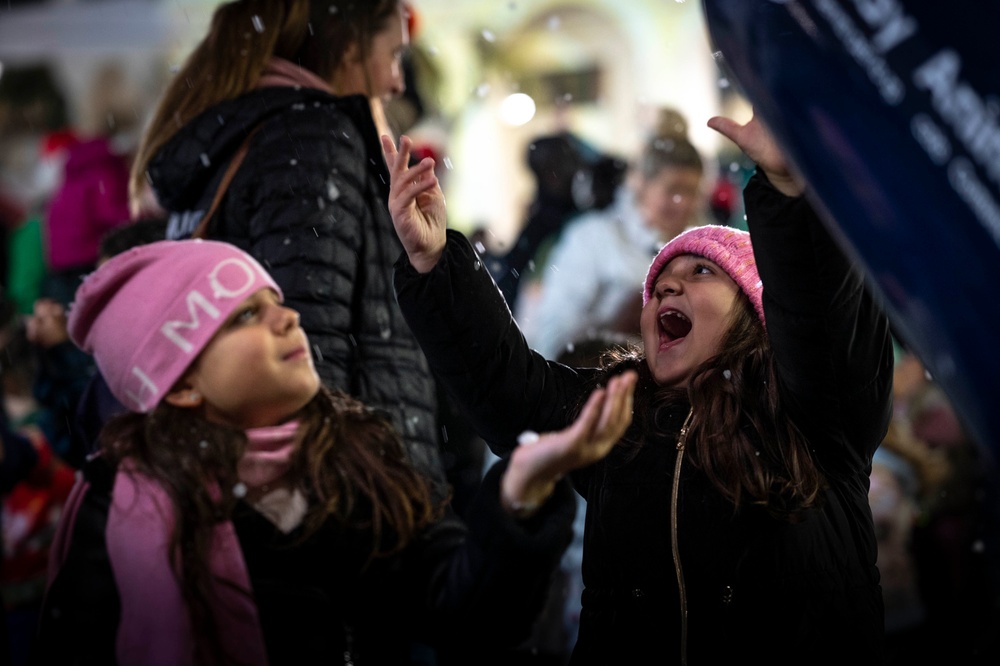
x: 147, y: 313
x: 728, y: 247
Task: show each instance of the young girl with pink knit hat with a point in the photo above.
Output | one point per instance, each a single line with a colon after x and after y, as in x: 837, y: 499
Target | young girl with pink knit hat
x: 731, y: 522
x: 243, y: 514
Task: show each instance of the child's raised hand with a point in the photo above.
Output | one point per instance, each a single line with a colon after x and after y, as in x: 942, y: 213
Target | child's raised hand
x: 541, y: 460
x: 759, y: 144
x: 416, y: 204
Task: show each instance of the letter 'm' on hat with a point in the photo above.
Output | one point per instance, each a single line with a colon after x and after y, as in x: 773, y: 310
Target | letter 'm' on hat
x: 728, y: 247
x: 147, y: 313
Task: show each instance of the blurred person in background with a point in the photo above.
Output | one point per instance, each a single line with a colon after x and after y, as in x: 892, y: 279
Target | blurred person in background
x: 957, y: 541
x: 588, y: 283
x: 91, y: 197
x: 34, y: 133
x: 906, y: 480
x: 570, y: 176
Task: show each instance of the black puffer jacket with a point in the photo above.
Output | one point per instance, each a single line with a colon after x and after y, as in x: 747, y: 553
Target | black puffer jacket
x: 308, y: 202
x: 758, y: 589
x: 466, y: 588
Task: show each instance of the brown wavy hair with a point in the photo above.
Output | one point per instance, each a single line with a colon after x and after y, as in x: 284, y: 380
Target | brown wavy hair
x: 739, y: 435
x: 243, y: 37
x: 349, y: 461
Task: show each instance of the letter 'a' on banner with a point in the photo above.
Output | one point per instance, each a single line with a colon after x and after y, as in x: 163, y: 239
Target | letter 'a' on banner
x: 891, y: 110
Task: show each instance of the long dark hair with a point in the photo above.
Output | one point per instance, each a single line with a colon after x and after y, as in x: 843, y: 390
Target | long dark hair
x: 347, y: 455
x: 739, y: 434
x: 244, y: 36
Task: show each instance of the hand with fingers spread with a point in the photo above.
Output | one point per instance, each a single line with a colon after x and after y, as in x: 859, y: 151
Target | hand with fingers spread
x: 541, y: 460
x: 759, y: 144
x: 416, y: 204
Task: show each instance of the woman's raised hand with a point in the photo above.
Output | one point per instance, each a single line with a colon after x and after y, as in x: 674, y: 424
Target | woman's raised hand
x: 416, y: 204
x: 759, y: 144
x: 541, y: 460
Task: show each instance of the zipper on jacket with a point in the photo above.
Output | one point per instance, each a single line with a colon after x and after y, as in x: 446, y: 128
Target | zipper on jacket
x: 674, y: 497
x: 348, y: 645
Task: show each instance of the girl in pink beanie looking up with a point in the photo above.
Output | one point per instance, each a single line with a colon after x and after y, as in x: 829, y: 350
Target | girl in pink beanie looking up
x: 243, y: 513
x: 730, y: 523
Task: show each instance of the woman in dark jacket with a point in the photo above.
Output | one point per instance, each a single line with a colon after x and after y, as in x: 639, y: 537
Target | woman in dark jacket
x: 732, y: 521
x: 304, y: 80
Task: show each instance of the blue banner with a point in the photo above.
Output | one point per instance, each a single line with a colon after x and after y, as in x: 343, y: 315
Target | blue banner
x: 891, y: 110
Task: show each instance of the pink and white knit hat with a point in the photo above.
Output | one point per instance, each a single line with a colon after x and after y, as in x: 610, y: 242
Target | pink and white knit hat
x: 147, y: 313
x: 728, y: 247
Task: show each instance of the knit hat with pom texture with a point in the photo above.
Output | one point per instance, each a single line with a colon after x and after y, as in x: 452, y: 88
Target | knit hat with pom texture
x: 728, y: 247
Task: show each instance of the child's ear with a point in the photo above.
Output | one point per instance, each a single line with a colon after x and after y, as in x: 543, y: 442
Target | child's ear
x: 185, y: 397
x: 352, y: 54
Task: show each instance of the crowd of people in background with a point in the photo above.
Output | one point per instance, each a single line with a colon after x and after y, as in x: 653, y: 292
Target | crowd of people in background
x: 306, y: 196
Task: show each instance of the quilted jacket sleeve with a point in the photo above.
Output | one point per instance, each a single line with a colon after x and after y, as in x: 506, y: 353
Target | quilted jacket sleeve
x: 474, y: 346
x: 302, y: 210
x: 830, y: 337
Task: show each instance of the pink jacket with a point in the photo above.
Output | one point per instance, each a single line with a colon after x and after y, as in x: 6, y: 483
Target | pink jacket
x: 92, y: 199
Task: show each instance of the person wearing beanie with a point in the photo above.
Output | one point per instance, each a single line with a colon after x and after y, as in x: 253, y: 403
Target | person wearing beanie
x: 241, y: 512
x: 586, y: 285
x: 731, y: 522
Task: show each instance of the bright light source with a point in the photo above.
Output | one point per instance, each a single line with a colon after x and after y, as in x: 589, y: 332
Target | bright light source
x: 517, y: 109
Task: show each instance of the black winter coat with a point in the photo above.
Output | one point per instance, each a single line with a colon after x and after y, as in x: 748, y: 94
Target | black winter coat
x: 758, y: 589
x: 309, y: 203
x: 473, y: 588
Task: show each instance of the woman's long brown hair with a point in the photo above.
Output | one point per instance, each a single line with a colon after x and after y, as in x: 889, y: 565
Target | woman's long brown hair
x: 739, y: 435
x: 347, y: 456
x: 243, y: 37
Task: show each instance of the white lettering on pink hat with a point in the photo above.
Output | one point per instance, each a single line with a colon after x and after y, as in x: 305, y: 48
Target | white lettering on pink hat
x: 146, y: 385
x: 179, y: 291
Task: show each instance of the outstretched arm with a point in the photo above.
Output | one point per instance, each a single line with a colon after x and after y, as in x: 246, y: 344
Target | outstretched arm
x: 829, y: 337
x: 541, y: 460
x: 416, y: 204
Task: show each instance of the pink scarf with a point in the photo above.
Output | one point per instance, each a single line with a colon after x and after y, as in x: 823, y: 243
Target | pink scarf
x: 268, y: 454
x: 281, y: 72
x: 155, y: 628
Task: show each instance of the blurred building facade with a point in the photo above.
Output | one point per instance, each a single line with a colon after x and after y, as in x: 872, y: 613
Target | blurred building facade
x: 599, y: 68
